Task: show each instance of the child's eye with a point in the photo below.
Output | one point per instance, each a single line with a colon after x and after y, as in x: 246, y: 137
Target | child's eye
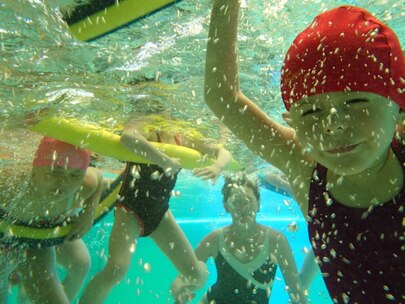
x: 310, y: 111
x: 356, y: 101
x: 76, y: 175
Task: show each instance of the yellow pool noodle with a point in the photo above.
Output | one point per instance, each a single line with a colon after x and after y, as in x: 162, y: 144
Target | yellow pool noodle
x: 101, y: 141
x: 115, y: 16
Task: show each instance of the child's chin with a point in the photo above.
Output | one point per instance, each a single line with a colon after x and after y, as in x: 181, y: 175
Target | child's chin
x: 245, y: 222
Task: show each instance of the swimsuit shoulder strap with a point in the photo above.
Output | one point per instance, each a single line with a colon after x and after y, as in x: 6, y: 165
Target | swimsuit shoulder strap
x: 245, y: 270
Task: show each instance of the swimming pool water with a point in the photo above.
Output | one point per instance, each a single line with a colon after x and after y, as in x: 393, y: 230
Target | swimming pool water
x: 198, y: 209
x: 44, y: 66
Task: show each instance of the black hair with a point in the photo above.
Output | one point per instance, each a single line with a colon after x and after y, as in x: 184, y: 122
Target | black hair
x: 146, y: 104
x: 239, y: 180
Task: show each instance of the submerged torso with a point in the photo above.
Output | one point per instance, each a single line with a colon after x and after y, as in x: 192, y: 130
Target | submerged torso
x: 20, y: 204
x: 361, y: 250
x: 242, y: 282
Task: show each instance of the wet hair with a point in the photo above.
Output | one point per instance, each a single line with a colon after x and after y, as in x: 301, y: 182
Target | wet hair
x: 239, y: 180
x: 147, y: 104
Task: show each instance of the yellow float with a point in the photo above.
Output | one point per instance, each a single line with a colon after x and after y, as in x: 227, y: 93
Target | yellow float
x: 102, y: 141
x: 13, y: 234
x: 110, y: 15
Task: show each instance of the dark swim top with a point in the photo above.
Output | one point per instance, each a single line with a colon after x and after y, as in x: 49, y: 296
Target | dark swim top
x: 233, y: 286
x: 145, y: 193
x: 361, y: 251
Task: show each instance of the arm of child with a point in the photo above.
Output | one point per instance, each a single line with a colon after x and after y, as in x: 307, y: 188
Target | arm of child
x: 138, y: 144
x: 288, y: 267
x: 208, y: 247
x: 92, y: 188
x: 222, y: 158
x: 309, y: 270
x: 270, y: 140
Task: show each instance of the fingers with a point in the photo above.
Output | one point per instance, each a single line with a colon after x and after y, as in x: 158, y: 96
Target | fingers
x: 171, y: 171
x: 205, y: 174
x: 184, y: 298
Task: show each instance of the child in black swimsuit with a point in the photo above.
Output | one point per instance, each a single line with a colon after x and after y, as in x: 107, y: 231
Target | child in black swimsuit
x: 343, y: 84
x: 246, y: 253
x: 144, y: 210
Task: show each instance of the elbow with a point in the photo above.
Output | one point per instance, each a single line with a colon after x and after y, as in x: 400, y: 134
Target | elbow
x: 128, y: 139
x: 124, y: 139
x: 209, y: 98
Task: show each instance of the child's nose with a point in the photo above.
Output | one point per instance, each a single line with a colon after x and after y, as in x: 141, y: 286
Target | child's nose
x: 335, y: 122
x: 334, y: 129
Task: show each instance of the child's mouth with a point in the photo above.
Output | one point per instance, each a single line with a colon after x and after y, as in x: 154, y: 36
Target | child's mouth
x: 342, y: 149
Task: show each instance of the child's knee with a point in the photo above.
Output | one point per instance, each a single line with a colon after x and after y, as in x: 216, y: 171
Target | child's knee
x: 82, y: 266
x: 81, y: 263
x: 115, y: 271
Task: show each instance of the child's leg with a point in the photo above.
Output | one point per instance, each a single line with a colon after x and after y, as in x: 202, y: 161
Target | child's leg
x: 8, y: 262
x: 124, y: 235
x: 40, y: 279
x: 204, y: 299
x: 15, y: 280
x: 172, y: 241
x: 309, y: 270
x: 3, y: 284
x: 75, y: 258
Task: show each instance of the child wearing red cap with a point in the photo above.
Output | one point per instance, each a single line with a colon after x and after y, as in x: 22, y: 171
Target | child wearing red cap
x: 343, y: 83
x: 48, y: 195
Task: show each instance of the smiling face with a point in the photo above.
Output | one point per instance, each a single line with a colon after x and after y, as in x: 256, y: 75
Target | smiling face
x: 243, y: 205
x: 57, y: 182
x: 345, y: 132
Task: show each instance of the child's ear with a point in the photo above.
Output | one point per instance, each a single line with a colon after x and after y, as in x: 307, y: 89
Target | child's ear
x: 287, y: 118
x: 401, y: 117
x: 400, y: 127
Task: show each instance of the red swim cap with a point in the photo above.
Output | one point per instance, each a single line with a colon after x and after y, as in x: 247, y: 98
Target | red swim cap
x: 344, y: 49
x: 53, y: 152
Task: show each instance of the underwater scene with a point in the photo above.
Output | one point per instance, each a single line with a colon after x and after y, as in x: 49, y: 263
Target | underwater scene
x: 90, y: 82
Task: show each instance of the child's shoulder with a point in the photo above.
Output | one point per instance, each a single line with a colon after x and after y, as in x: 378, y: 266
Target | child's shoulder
x: 276, y: 239
x: 91, y: 181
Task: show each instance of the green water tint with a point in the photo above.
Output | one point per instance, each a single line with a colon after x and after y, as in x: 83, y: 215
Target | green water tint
x: 198, y: 209
x: 44, y: 67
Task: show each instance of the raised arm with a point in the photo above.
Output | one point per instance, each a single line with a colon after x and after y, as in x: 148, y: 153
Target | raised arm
x: 288, y: 267
x: 264, y: 136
